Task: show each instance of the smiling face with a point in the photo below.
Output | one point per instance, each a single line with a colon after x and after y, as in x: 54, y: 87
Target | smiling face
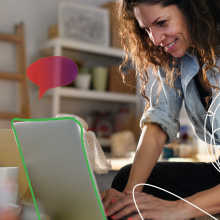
x: 165, y: 26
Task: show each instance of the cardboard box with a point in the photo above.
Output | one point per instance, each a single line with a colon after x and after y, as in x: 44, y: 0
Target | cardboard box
x: 115, y: 82
x: 10, y: 157
x: 114, y: 25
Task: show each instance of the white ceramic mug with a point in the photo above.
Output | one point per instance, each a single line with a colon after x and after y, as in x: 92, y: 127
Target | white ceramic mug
x: 9, y: 175
x: 83, y: 81
x: 8, y: 193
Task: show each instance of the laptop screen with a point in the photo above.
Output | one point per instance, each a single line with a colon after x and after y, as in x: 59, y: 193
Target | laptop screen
x: 60, y: 176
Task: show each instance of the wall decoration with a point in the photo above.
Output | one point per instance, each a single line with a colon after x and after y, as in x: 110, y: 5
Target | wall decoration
x: 83, y: 23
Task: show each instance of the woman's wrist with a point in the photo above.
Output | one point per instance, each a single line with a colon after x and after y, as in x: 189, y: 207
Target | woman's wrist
x: 130, y: 188
x: 187, y: 210
x: 204, y: 200
x: 180, y: 208
x: 184, y: 209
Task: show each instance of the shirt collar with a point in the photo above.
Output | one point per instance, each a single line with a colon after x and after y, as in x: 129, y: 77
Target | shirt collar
x: 189, y: 66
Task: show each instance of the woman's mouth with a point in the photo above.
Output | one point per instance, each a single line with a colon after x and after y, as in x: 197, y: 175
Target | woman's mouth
x: 172, y: 45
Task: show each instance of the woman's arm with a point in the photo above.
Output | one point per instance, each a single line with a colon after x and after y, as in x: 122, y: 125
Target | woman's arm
x: 164, y: 115
x: 208, y: 200
x: 149, y: 148
x: 155, y: 208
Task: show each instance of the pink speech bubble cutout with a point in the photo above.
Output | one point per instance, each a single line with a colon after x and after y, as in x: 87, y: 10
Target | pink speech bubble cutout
x: 52, y: 72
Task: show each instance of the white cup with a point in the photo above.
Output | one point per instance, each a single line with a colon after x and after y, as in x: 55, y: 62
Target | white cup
x: 83, y: 80
x: 8, y: 193
x: 9, y: 175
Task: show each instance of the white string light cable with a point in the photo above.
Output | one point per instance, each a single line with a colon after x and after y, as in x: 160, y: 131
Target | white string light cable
x: 209, y: 114
x: 144, y: 184
x: 213, y: 132
x: 212, y: 139
x: 215, y: 157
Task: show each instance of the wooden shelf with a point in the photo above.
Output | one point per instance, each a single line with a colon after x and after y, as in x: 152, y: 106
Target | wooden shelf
x: 81, y: 46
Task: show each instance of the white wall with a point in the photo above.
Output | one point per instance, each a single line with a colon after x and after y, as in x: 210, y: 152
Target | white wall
x: 37, y: 16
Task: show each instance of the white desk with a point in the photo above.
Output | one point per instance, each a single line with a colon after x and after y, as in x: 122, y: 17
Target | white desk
x: 119, y: 162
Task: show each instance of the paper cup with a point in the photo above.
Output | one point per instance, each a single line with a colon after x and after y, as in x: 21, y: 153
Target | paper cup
x: 9, y: 175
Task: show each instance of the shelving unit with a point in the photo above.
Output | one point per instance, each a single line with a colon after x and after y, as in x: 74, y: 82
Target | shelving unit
x: 54, y: 47
x: 58, y: 43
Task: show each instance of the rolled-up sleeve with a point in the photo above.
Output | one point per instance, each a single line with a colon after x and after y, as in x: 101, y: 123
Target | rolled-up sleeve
x: 164, y: 107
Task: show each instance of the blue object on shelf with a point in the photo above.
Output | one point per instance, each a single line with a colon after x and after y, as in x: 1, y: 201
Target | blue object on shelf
x: 167, y: 153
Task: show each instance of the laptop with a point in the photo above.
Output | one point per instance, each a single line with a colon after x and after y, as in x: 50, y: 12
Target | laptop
x: 59, y: 171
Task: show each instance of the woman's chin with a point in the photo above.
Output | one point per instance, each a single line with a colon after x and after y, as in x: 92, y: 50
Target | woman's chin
x: 178, y: 53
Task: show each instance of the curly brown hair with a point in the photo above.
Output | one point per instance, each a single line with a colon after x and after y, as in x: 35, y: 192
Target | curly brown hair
x: 203, y: 19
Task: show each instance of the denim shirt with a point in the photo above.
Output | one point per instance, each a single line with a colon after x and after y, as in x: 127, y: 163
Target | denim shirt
x: 166, y: 112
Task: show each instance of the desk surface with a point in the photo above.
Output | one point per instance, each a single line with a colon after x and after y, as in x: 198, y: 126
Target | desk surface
x: 119, y: 162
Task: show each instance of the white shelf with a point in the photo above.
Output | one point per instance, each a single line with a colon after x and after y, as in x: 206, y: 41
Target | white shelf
x: 81, y: 46
x: 94, y: 95
x: 54, y: 47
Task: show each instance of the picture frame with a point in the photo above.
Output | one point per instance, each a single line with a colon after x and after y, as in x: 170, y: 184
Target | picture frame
x: 84, y: 23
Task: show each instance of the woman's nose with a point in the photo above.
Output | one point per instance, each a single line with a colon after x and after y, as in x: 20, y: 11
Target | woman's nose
x: 157, y: 37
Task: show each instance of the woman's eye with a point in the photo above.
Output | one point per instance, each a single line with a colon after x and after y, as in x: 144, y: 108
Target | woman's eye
x: 161, y: 23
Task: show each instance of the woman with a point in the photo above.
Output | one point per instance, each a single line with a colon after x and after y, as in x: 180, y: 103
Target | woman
x: 180, y: 39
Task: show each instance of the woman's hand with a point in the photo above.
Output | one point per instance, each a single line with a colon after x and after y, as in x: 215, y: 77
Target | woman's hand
x: 108, y: 195
x: 149, y: 206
